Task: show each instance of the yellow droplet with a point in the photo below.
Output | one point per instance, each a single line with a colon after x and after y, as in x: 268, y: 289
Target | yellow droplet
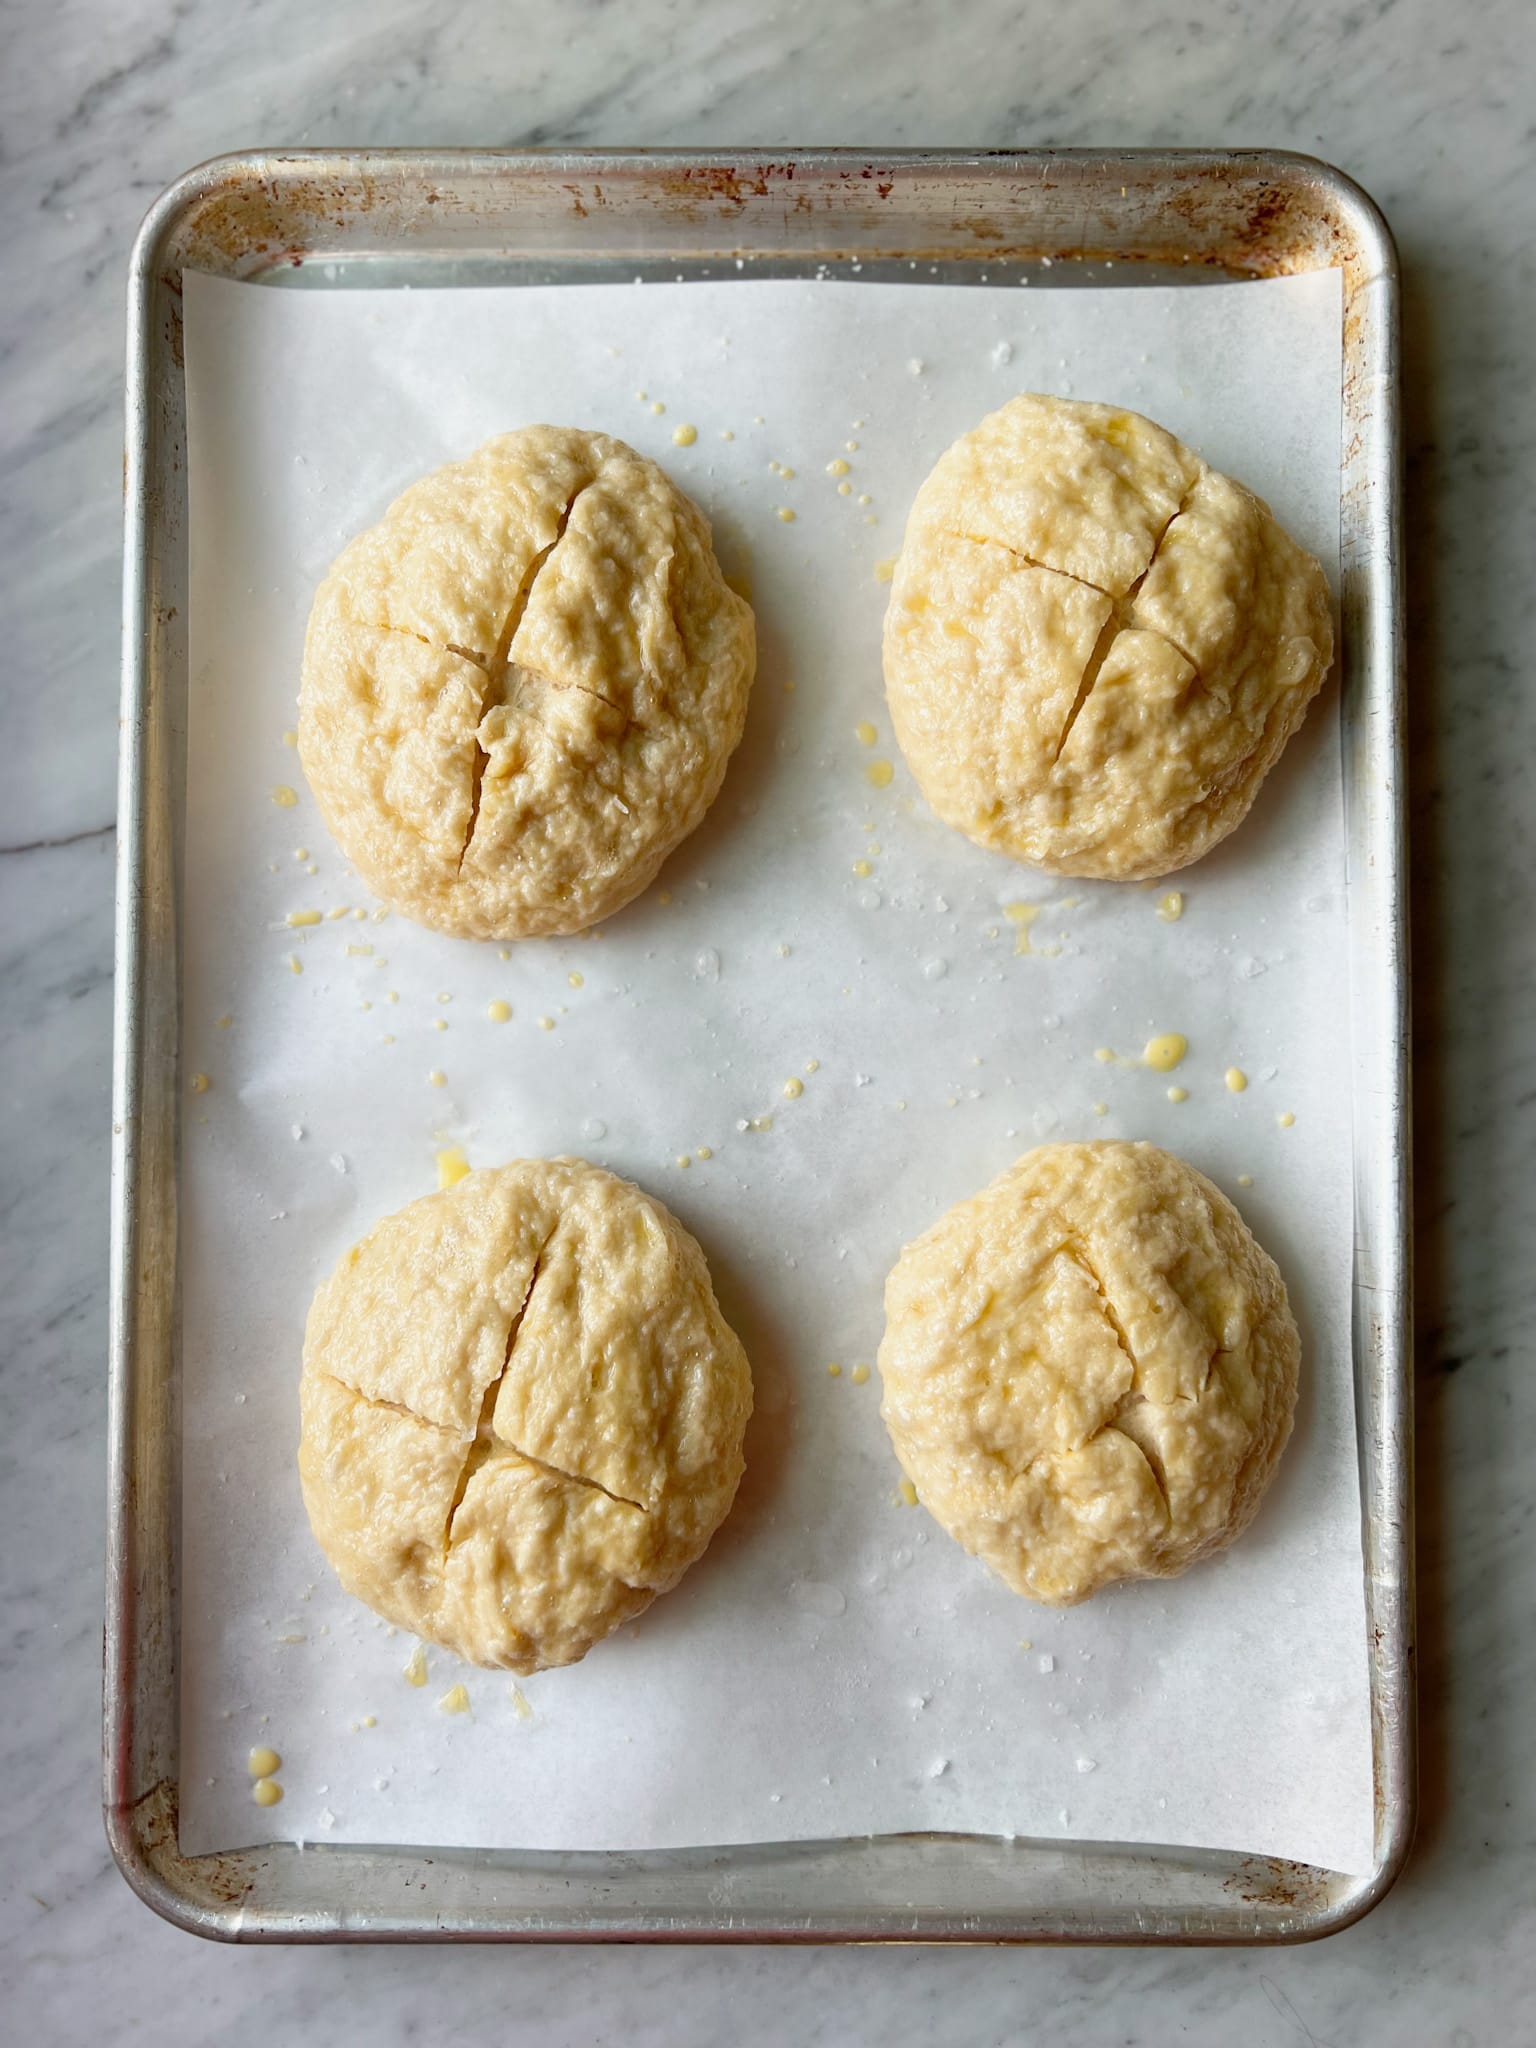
x: 1245, y: 1180
x: 859, y: 1375
x: 439, y: 1023
x: 834, y: 1371
x: 664, y: 897
x: 266, y: 1791
x: 303, y: 917
x: 284, y: 797
x: 865, y: 733
x: 262, y: 1762
x: 1021, y: 916
x: 1178, y: 1095
x: 1171, y: 907
x: 370, y: 1721
x: 341, y: 910
x: 546, y: 1023
x: 223, y: 1023
x: 852, y: 447
x: 199, y: 1084
x: 726, y: 434
x: 1164, y: 1052
x: 503, y: 952
x: 878, y: 774
x: 454, y: 1701
x: 1101, y: 1109
x: 1103, y: 1055
x: 642, y: 396
x: 837, y: 467
x: 1237, y: 1080
x: 862, y: 869
x: 498, y: 1011
x: 786, y: 472
x: 451, y: 1166
x: 684, y: 1160
x: 787, y: 514
x: 520, y: 1705
x: 575, y: 980
x: 290, y: 738
x: 845, y: 490
x: 657, y: 407
x: 706, y: 1152
x: 437, y: 1078
x: 794, y: 1088
x: 393, y: 996
x: 762, y: 1123
x: 685, y: 436
x: 415, y: 1672
x: 301, y: 853
x: 885, y: 568
x: 1285, y: 1119
x: 908, y: 1493
x: 813, y: 1066
x: 295, y: 964
x: 359, y: 952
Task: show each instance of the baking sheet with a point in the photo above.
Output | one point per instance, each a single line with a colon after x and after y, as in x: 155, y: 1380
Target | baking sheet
x: 834, y: 1666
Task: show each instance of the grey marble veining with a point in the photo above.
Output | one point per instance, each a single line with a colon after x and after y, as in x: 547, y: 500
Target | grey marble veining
x: 1430, y: 109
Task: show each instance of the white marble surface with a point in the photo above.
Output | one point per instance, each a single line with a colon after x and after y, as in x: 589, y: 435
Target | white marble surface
x: 99, y: 107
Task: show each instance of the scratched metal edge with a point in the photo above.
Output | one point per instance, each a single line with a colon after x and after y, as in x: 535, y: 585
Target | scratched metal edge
x: 259, y: 1894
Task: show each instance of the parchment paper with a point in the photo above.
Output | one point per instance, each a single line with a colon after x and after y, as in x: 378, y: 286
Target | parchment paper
x: 835, y: 1665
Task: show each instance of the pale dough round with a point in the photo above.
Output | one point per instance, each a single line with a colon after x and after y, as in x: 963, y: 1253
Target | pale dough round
x: 1089, y: 1369
x: 522, y: 1412
x: 521, y: 688
x: 1096, y: 647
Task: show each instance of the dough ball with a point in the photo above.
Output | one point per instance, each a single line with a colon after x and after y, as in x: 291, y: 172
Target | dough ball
x: 1089, y: 1370
x: 522, y: 1412
x: 1096, y: 647
x: 522, y: 686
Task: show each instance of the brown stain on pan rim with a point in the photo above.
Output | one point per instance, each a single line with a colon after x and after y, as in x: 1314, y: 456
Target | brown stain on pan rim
x: 228, y: 1879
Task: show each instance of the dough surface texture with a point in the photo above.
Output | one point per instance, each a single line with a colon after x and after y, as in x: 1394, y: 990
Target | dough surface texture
x: 522, y: 1412
x: 1096, y: 646
x: 521, y: 688
x: 1089, y: 1369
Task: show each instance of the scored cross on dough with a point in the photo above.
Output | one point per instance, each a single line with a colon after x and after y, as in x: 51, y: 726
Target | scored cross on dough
x: 1096, y: 646
x: 522, y: 1412
x: 521, y: 687
x: 1089, y: 1369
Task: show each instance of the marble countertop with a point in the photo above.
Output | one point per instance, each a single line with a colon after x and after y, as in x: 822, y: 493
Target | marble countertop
x: 1430, y: 109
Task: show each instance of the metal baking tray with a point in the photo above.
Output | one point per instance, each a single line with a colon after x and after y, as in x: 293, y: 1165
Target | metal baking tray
x: 329, y: 219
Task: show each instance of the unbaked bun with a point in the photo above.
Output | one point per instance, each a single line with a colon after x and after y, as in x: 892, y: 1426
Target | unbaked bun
x: 521, y: 688
x: 1089, y: 1369
x: 1096, y: 647
x: 522, y: 1412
